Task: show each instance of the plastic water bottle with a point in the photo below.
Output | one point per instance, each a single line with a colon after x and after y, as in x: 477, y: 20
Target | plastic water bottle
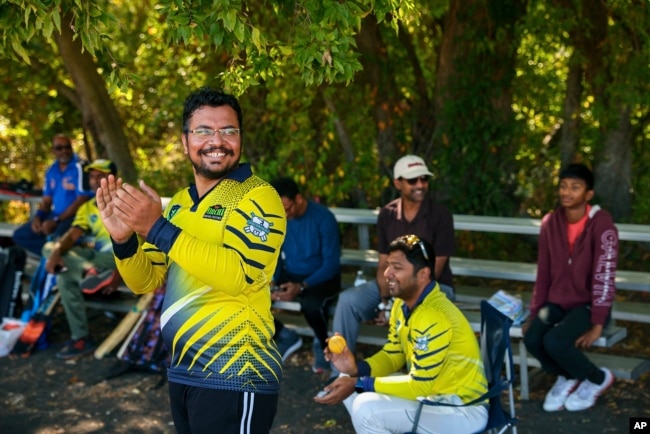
x: 360, y: 279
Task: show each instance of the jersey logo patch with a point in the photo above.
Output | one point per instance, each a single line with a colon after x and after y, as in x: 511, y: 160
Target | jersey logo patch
x: 421, y: 343
x: 215, y: 212
x: 172, y: 212
x: 258, y: 227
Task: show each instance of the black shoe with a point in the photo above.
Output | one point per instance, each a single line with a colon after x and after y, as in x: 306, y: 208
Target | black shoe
x: 93, y: 283
x: 77, y: 348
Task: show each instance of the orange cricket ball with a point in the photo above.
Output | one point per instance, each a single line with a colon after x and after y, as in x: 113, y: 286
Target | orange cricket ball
x: 336, y: 344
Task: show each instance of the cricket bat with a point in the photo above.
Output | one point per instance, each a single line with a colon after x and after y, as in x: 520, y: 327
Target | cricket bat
x: 125, y: 326
x: 125, y: 344
x: 36, y: 325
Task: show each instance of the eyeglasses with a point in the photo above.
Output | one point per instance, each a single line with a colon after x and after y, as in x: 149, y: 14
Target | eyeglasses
x: 424, y: 179
x: 62, y: 147
x: 225, y: 133
x: 413, y: 240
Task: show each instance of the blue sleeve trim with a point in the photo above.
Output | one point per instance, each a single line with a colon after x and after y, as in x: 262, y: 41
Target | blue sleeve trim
x: 368, y: 384
x: 125, y: 250
x: 363, y: 369
x: 163, y: 234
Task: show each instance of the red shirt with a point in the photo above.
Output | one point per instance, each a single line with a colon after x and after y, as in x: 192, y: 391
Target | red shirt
x: 575, y: 229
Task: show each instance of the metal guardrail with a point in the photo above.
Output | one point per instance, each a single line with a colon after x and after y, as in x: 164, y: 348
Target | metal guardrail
x: 365, y: 218
x: 506, y: 225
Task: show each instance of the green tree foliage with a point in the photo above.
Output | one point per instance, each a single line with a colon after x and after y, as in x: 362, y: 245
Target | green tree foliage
x: 494, y: 94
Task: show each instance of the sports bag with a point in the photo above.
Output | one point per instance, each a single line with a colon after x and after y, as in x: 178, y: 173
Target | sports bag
x: 144, y: 349
x: 12, y: 267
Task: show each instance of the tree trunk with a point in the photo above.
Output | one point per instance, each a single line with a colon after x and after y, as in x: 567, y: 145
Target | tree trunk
x: 422, y: 109
x: 358, y: 197
x: 99, y: 112
x: 570, y: 127
x: 613, y: 169
x: 378, y: 74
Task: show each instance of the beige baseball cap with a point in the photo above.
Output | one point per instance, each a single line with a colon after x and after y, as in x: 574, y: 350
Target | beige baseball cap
x: 409, y: 167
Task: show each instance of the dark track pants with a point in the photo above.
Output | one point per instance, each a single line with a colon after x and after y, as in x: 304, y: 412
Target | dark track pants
x: 196, y: 410
x: 551, y: 339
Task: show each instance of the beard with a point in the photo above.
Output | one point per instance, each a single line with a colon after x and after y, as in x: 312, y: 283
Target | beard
x: 205, y: 171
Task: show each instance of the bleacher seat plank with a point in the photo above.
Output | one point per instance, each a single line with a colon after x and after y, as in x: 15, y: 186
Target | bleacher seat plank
x: 623, y: 367
x: 524, y: 272
x: 622, y: 310
x: 491, y: 269
x: 7, y: 230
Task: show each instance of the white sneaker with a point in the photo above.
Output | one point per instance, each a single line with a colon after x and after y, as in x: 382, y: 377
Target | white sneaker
x: 559, y: 393
x: 586, y: 394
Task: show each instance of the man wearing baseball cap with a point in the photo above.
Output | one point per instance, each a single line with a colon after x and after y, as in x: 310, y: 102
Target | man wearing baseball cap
x: 73, y: 261
x: 410, y: 167
x: 414, y: 212
x: 104, y: 166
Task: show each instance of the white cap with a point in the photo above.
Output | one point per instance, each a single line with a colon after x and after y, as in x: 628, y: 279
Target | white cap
x: 409, y: 167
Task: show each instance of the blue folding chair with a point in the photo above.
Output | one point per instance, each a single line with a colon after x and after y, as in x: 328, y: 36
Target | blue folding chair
x: 495, y: 350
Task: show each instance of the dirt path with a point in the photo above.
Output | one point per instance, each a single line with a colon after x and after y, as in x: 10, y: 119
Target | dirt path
x: 44, y: 395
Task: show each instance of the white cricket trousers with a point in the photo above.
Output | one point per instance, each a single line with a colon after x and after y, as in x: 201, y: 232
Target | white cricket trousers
x: 376, y: 413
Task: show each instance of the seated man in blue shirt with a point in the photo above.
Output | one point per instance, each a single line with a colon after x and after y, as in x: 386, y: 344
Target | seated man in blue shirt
x: 309, y: 268
x: 62, y: 196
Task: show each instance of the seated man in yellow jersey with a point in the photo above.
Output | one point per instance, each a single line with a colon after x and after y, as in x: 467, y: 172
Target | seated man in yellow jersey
x: 431, y: 339
x: 72, y: 262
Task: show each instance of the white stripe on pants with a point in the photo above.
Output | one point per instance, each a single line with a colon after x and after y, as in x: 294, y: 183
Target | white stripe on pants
x: 247, y: 414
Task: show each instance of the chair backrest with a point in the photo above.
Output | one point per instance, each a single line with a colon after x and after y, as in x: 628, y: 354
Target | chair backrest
x: 495, y: 340
x: 495, y: 348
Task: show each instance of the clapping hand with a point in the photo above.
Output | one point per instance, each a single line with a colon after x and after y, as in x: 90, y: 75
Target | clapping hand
x: 127, y: 209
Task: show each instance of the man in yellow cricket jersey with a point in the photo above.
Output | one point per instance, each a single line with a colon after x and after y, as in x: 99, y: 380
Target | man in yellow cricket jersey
x: 216, y: 245
x: 428, y: 337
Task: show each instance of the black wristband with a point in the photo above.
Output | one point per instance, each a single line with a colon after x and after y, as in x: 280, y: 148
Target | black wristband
x: 359, y: 386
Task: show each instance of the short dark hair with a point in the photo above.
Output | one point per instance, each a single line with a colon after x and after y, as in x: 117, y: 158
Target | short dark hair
x: 418, y: 252
x: 286, y: 187
x: 578, y: 171
x: 61, y: 136
x: 207, y: 96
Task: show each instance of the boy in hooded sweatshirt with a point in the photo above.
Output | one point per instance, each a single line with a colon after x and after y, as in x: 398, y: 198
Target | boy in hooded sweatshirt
x: 574, y: 292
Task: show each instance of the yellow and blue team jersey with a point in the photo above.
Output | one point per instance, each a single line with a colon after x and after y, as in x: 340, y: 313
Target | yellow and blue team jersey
x: 218, y: 254
x: 88, y: 220
x: 438, y: 347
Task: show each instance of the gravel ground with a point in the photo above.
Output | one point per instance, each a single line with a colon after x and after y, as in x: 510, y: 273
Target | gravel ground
x: 44, y: 395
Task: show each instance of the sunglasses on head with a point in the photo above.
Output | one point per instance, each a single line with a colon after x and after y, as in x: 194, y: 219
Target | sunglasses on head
x: 414, y: 181
x: 414, y: 240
